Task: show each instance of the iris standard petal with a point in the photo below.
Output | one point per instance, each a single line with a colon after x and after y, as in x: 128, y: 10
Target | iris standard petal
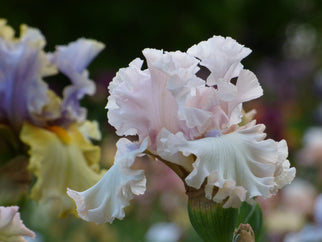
x: 72, y: 60
x: 23, y: 63
x: 221, y: 56
x: 179, y: 71
x: 140, y: 104
x: 247, y: 88
x: 107, y: 199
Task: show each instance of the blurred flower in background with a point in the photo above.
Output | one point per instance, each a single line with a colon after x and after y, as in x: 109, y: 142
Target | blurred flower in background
x: 163, y: 232
x: 312, y: 231
x: 55, y: 128
x: 311, y: 153
x: 290, y: 209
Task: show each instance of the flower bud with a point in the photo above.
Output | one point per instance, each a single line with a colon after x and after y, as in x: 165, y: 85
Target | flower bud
x: 244, y: 233
x: 210, y: 220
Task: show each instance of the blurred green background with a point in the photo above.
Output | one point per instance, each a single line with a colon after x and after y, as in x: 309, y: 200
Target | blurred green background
x: 286, y: 39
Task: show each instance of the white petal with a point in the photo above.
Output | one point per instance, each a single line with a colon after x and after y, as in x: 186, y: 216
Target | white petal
x: 106, y: 200
x: 241, y: 164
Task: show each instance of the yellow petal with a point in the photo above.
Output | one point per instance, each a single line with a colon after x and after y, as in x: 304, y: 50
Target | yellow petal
x: 59, y: 159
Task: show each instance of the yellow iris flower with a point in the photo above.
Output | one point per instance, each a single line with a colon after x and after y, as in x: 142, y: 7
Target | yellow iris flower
x: 62, y: 158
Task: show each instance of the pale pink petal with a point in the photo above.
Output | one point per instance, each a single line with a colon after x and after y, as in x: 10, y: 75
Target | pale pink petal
x: 226, y: 90
x: 140, y: 104
x: 179, y: 68
x: 203, y: 112
x: 220, y: 107
x: 107, y: 199
x: 248, y: 88
x: 221, y: 56
x: 11, y: 226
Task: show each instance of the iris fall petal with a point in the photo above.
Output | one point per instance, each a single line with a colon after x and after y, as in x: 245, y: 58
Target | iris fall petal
x: 106, y: 200
x: 60, y: 158
x: 241, y: 164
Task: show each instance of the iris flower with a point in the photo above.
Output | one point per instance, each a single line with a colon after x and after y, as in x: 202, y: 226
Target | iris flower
x: 194, y: 125
x: 11, y: 226
x: 55, y: 128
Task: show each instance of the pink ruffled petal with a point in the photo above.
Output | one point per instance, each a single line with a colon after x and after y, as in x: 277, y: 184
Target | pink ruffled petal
x: 221, y: 56
x: 140, y: 104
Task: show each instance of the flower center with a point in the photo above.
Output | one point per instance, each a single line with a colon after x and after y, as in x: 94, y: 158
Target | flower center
x: 61, y: 133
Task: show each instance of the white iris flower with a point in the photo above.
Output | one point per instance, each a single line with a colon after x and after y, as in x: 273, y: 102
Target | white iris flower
x: 194, y: 125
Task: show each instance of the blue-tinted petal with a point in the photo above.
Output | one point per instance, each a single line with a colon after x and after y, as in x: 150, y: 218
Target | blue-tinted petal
x: 72, y: 60
x: 23, y: 63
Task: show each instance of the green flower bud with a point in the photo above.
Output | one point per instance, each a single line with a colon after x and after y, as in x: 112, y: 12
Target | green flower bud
x: 210, y: 220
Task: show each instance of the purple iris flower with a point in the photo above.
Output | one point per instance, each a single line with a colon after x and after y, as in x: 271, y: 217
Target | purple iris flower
x: 24, y: 96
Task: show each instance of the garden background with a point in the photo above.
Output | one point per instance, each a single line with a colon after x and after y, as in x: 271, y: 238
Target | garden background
x: 286, y: 39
